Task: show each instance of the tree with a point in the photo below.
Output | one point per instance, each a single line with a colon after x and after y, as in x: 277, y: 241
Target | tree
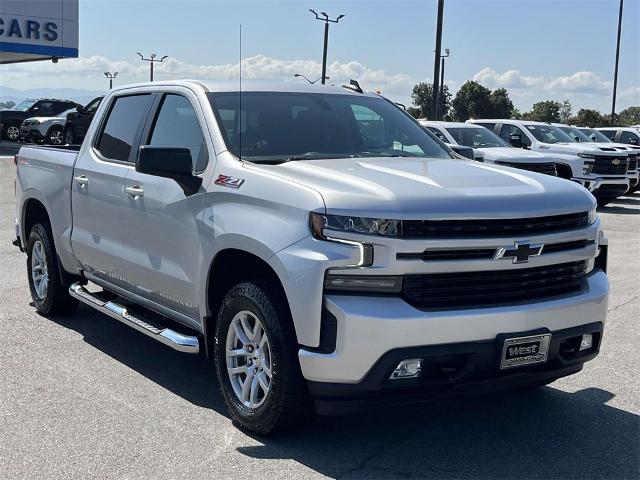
x: 565, y: 111
x: 544, y: 111
x: 501, y: 104
x: 422, y: 97
x: 472, y: 101
x: 629, y: 116
x: 589, y: 118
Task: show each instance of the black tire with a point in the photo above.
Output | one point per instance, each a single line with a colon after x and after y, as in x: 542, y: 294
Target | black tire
x: 69, y: 137
x: 288, y: 402
x: 11, y: 132
x: 56, y: 299
x: 55, y: 136
x: 604, y: 201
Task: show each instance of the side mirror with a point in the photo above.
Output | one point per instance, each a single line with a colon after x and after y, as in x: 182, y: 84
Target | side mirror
x: 169, y: 162
x: 80, y: 109
x: 515, y: 139
x: 466, y: 152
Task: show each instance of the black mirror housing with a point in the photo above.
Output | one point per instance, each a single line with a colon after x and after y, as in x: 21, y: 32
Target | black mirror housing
x: 169, y: 162
x: 80, y: 109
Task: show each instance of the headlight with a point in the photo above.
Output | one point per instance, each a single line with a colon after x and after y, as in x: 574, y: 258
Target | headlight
x: 35, y: 122
x: 586, y: 155
x: 593, y: 216
x: 369, y: 226
x: 363, y: 283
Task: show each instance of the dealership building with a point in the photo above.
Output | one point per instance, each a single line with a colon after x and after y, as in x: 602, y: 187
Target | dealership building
x: 33, y: 30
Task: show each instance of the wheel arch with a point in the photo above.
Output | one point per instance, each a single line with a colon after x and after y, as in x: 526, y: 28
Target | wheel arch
x: 564, y: 170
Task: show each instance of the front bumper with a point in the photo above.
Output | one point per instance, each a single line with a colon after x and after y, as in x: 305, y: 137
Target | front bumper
x: 605, y: 186
x: 455, y: 369
x: 368, y: 327
x: 33, y: 134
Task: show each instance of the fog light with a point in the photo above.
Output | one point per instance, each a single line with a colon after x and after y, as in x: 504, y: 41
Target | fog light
x: 409, y: 368
x: 587, y: 342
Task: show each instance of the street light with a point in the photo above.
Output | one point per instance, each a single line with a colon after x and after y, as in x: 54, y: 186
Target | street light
x: 436, y: 60
x: 440, y: 93
x: 153, y: 59
x: 110, y: 76
x: 326, y: 21
x: 299, y: 75
x: 615, y: 74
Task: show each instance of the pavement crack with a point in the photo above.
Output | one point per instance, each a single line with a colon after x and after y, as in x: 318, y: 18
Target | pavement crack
x: 631, y: 300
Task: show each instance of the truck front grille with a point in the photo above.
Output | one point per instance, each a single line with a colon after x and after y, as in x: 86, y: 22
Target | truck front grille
x: 605, y: 166
x: 451, y: 290
x: 633, y: 165
x: 508, y: 227
x: 546, y: 168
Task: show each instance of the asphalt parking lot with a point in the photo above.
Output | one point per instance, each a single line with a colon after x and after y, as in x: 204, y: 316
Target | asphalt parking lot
x: 84, y: 397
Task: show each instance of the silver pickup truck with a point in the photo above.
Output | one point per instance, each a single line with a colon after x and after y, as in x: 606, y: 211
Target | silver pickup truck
x: 318, y: 245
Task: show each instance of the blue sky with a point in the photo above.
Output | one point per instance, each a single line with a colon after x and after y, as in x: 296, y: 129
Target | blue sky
x: 537, y: 49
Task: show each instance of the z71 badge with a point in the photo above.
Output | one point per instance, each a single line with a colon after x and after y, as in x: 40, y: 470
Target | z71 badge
x: 227, y: 181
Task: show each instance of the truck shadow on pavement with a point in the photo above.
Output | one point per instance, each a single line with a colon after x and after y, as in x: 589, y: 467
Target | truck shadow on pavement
x: 543, y: 433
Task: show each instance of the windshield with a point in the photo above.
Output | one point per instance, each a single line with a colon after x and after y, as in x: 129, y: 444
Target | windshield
x: 595, y: 135
x: 548, y: 134
x: 24, y: 105
x: 477, y: 137
x: 278, y: 127
x: 575, y: 134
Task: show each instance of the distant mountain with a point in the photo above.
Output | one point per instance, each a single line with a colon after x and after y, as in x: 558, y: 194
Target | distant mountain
x: 82, y: 96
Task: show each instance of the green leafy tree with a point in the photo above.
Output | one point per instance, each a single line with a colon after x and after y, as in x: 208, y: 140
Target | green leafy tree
x: 422, y: 97
x: 587, y: 117
x: 501, y: 104
x: 565, y: 111
x: 472, y: 101
x: 629, y: 116
x: 545, y: 111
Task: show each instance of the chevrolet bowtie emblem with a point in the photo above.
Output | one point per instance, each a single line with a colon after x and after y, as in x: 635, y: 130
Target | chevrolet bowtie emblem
x: 521, y: 252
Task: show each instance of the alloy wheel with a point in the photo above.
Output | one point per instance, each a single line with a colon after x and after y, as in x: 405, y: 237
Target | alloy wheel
x: 56, y: 137
x: 39, y: 271
x: 248, y: 357
x: 13, y: 133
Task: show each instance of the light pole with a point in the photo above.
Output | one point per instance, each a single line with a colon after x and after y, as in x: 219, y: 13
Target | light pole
x: 326, y: 21
x: 436, y: 61
x: 153, y: 59
x: 299, y: 75
x: 110, y: 76
x: 441, y: 91
x: 615, y: 74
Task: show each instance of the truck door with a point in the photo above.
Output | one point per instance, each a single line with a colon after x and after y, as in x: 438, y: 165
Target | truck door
x: 98, y: 188
x: 162, y: 251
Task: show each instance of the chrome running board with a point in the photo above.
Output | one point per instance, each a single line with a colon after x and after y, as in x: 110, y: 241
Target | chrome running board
x: 171, y: 338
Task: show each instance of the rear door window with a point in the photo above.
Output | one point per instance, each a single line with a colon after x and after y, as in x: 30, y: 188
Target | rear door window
x: 122, y: 125
x: 176, y: 125
x: 611, y: 134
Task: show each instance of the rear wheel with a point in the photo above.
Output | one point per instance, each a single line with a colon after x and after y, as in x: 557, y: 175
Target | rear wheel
x: 55, y: 136
x: 11, y: 133
x: 49, y: 295
x: 256, y: 360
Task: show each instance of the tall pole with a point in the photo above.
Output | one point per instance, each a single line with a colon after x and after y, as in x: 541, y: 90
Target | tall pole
x: 447, y: 52
x: 152, y: 59
x: 615, y: 74
x: 110, y: 76
x: 325, y: 18
x: 436, y: 61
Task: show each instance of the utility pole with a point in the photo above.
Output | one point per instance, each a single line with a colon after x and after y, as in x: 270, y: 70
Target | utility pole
x: 325, y: 18
x: 153, y: 59
x: 615, y: 74
x: 110, y: 76
x: 447, y: 53
x: 436, y: 61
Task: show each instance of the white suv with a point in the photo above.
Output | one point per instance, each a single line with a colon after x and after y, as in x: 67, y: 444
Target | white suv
x: 628, y: 135
x: 601, y: 170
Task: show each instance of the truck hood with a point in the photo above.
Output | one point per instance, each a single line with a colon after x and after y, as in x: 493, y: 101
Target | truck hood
x: 413, y: 188
x: 575, y: 148
x: 518, y: 154
x: 46, y: 119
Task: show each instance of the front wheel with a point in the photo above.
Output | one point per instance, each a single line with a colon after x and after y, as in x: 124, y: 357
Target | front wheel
x: 55, y: 136
x: 49, y: 295
x: 256, y: 360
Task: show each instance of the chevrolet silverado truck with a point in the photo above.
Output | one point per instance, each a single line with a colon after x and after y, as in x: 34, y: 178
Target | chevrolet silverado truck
x: 317, y: 244
x: 491, y: 147
x: 601, y: 170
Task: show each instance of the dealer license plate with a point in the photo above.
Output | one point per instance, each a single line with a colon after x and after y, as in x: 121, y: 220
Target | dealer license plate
x: 525, y: 350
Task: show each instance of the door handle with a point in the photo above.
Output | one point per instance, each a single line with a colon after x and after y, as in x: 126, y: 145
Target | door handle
x: 82, y: 180
x: 134, y: 191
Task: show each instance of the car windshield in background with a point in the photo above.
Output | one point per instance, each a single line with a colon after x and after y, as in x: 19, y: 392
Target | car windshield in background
x: 24, y: 105
x: 549, y: 134
x: 575, y: 134
x: 595, y: 135
x: 277, y: 127
x: 478, y: 137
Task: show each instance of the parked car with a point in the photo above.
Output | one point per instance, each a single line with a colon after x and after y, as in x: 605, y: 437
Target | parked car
x: 632, y: 151
x: 491, y: 147
x: 10, y: 120
x: 78, y: 122
x: 628, y: 135
x: 601, y: 170
x: 319, y: 261
x: 48, y: 130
